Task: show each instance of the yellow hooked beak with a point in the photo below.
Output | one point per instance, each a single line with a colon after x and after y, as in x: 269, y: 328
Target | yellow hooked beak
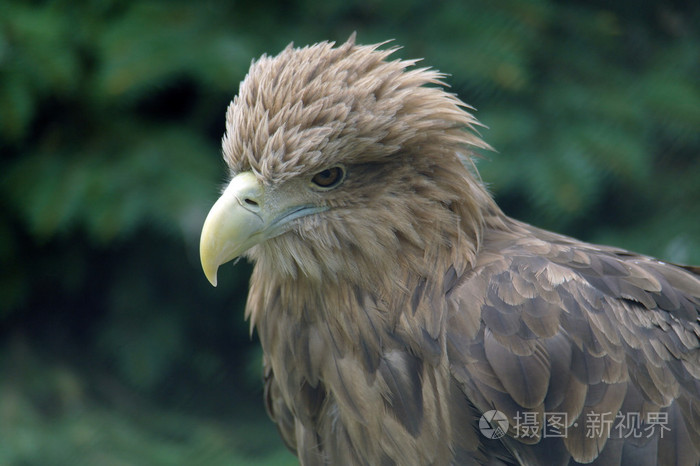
x: 246, y: 214
x: 233, y: 224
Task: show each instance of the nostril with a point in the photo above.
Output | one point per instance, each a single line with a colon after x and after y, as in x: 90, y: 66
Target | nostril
x: 250, y: 202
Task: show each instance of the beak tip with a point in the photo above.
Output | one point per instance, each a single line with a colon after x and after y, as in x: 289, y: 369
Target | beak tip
x: 211, y: 275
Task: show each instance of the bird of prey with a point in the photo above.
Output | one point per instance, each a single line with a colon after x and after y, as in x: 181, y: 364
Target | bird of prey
x: 404, y: 318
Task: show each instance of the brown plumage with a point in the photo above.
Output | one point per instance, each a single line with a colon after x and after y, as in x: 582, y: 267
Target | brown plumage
x: 396, y: 303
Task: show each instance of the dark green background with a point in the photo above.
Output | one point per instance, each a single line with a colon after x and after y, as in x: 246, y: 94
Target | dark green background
x: 114, y: 350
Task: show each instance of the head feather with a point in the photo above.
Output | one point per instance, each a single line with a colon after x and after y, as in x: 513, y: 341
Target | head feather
x: 309, y: 108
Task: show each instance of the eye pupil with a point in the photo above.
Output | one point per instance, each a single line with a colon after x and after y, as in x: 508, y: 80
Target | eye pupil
x: 328, y: 178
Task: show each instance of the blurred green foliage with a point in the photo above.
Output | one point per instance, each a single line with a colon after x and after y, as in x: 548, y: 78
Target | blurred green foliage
x: 114, y: 349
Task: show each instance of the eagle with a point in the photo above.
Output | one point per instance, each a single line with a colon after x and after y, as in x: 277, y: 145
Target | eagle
x: 404, y: 318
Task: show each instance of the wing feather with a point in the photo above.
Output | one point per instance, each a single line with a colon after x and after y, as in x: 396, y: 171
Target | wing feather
x: 547, y: 324
x: 525, y: 378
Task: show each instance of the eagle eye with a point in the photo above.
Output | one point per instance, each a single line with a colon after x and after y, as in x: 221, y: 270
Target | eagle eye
x: 329, y: 178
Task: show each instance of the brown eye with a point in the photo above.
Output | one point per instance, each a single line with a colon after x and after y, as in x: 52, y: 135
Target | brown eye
x: 329, y: 178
